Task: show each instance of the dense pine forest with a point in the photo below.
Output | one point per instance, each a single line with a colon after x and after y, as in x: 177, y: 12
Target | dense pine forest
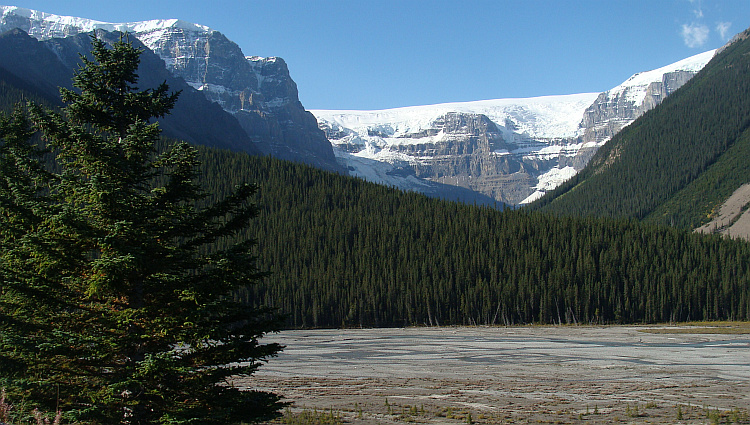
x: 679, y: 161
x: 344, y: 252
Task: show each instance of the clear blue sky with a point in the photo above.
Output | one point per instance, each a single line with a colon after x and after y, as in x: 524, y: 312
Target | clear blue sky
x: 359, y: 54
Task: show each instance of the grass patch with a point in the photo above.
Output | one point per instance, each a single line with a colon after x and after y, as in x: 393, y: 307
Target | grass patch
x: 7, y: 411
x: 728, y: 328
x: 310, y: 417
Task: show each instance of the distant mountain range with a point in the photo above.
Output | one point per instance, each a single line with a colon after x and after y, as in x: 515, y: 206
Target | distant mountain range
x: 684, y: 163
x: 256, y: 93
x: 513, y: 150
x: 507, y: 150
x: 345, y: 252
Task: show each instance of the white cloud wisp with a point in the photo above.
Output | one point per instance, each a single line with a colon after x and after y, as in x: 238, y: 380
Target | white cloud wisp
x: 694, y: 35
x: 723, y: 29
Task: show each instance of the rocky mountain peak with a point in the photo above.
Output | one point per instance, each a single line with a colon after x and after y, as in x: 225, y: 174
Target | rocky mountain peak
x: 513, y: 150
x: 615, y: 108
x: 260, y: 88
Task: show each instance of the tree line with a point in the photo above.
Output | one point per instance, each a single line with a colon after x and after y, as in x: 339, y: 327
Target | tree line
x: 343, y: 252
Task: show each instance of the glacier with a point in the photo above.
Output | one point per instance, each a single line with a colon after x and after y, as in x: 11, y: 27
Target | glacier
x: 534, y: 146
x: 511, y: 150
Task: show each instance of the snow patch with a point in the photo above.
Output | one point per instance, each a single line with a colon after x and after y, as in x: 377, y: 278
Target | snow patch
x: 549, y: 181
x: 536, y: 117
x: 635, y: 87
x: 50, y: 25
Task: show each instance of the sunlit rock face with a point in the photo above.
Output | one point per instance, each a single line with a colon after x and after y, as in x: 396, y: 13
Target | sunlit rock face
x: 620, y: 106
x: 513, y: 150
x: 259, y: 92
x: 510, y: 150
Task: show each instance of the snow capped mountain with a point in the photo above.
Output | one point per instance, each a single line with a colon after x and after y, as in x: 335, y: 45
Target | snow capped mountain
x: 548, y: 117
x: 443, y: 142
x: 43, y: 25
x: 635, y: 88
x: 202, y: 56
x: 512, y: 150
x: 259, y: 92
x: 526, y: 148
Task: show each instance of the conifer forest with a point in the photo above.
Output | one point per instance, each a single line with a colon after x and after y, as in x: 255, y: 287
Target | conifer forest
x: 342, y: 252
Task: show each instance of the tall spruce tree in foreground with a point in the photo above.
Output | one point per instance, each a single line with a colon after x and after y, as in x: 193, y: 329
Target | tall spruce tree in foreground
x: 115, y: 305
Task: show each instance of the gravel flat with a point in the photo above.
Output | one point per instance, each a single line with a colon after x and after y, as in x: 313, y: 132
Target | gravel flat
x: 562, y: 374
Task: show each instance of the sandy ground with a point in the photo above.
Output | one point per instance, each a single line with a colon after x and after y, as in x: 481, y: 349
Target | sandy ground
x: 513, y: 375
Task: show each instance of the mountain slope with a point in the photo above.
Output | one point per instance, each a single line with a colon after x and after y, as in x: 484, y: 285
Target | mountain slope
x: 259, y: 92
x: 513, y: 150
x: 678, y: 162
x: 621, y: 105
x: 46, y: 65
x: 345, y: 252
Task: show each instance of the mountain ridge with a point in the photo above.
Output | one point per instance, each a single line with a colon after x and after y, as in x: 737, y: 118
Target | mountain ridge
x: 50, y: 64
x: 546, y: 139
x: 678, y: 163
x: 267, y: 108
x: 532, y: 146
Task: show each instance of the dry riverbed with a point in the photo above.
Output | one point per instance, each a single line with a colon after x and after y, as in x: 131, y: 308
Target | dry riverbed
x: 689, y: 375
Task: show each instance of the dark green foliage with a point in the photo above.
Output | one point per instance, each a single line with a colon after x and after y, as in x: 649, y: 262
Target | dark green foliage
x: 344, y: 252
x: 647, y: 169
x: 14, y: 91
x: 698, y: 201
x: 115, y: 304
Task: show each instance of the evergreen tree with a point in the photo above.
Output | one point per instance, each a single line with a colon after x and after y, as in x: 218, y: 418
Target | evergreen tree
x: 116, y: 305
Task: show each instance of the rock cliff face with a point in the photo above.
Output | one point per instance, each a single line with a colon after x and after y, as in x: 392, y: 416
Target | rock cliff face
x: 44, y: 66
x: 615, y: 108
x: 496, y: 148
x: 466, y: 150
x: 513, y: 150
x: 259, y: 92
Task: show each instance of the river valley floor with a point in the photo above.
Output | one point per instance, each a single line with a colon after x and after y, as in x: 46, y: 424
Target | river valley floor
x: 535, y: 374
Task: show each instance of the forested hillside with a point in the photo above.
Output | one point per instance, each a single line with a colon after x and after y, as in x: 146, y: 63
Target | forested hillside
x: 14, y: 90
x: 344, y: 252
x: 677, y: 162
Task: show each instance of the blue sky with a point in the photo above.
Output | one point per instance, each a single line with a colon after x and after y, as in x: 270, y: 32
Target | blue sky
x: 376, y: 54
